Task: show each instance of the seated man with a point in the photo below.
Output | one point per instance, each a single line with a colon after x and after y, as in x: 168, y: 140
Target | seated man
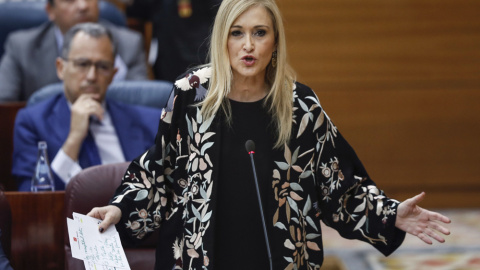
x: 80, y: 127
x: 29, y: 59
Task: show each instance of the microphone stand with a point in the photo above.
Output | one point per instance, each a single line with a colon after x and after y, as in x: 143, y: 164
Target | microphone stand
x: 250, y: 146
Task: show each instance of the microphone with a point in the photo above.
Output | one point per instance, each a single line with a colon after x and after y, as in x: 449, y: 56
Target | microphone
x: 250, y: 146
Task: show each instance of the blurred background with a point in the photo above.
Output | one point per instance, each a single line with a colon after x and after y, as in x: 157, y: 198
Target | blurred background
x: 401, y: 80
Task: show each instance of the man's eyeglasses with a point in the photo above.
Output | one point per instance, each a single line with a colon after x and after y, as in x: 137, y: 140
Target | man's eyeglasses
x: 84, y: 65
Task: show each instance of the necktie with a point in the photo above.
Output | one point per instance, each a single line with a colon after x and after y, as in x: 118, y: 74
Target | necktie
x: 91, y: 150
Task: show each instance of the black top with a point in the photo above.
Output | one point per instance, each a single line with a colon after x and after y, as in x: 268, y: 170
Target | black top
x: 239, y: 238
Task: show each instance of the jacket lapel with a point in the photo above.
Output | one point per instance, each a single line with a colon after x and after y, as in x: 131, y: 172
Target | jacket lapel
x: 123, y: 123
x: 59, y: 119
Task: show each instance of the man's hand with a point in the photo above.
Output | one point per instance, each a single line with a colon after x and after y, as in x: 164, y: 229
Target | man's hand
x: 84, y: 107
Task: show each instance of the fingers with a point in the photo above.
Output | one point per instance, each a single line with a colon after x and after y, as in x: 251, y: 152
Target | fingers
x: 92, y: 213
x: 84, y: 107
x: 88, y: 104
x: 89, y: 96
x: 424, y: 237
x: 418, y: 198
x: 104, y: 224
x: 439, y: 228
x: 421, y: 222
x: 432, y: 230
x: 95, y: 213
x: 431, y: 233
x: 439, y: 217
x: 109, y: 215
x: 93, y: 108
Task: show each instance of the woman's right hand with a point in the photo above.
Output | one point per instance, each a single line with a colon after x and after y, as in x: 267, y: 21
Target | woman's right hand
x: 110, y: 215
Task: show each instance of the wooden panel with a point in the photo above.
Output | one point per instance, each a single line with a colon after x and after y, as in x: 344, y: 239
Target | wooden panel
x: 401, y: 79
x: 335, y: 41
x: 413, y: 141
x: 8, y: 112
x: 37, y: 230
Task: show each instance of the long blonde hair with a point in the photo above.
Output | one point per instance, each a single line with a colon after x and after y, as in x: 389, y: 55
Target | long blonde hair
x: 280, y: 79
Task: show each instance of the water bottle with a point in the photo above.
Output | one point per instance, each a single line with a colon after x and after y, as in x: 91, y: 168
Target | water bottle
x: 42, y: 180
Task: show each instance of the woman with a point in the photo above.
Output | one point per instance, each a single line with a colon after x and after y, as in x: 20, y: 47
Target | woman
x: 196, y: 184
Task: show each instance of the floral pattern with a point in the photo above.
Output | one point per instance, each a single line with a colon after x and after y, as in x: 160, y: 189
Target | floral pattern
x: 316, y: 176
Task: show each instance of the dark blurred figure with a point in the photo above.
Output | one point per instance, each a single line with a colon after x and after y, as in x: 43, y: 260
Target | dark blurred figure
x: 4, y: 262
x: 6, y: 226
x: 181, y: 29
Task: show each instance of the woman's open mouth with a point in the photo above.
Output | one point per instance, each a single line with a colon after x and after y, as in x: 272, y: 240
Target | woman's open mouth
x: 248, y: 60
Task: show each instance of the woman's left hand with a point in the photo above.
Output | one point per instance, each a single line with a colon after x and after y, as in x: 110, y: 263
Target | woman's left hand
x: 420, y: 222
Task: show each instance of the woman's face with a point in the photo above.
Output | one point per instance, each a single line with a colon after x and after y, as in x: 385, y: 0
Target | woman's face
x: 250, y: 43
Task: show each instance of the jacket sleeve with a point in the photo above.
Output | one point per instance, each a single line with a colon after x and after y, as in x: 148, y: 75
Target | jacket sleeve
x: 349, y: 201
x: 24, y: 150
x: 131, y: 49
x: 146, y: 195
x: 137, y: 68
x: 10, y: 74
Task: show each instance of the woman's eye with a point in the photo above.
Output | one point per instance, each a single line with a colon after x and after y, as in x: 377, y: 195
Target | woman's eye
x: 260, y: 33
x: 236, y: 33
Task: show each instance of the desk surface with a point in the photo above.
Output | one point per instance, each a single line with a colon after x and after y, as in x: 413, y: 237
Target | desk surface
x: 37, y: 230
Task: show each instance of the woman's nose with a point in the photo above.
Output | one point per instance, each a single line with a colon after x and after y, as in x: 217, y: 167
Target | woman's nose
x: 248, y: 46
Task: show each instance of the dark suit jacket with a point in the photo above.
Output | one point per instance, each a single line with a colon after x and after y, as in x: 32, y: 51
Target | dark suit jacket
x: 182, y: 41
x: 49, y: 121
x: 29, y: 59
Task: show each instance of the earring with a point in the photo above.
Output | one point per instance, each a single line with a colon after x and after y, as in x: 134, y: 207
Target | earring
x: 274, y: 59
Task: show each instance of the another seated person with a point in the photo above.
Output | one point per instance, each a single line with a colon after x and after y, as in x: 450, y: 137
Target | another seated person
x: 80, y: 127
x: 29, y: 59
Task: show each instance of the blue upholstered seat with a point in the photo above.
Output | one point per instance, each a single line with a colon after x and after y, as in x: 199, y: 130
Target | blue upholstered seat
x: 147, y: 93
x: 18, y: 15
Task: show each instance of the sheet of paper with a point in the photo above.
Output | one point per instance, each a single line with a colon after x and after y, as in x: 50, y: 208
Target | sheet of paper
x: 76, y: 239
x: 97, y: 250
x: 89, y: 265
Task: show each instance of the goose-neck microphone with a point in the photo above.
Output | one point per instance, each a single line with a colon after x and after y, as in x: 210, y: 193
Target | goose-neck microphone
x: 250, y: 146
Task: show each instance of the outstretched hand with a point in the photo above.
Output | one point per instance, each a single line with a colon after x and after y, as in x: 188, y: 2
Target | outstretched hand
x: 420, y: 222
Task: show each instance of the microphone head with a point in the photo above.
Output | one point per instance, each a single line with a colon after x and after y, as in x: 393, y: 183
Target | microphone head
x: 250, y: 146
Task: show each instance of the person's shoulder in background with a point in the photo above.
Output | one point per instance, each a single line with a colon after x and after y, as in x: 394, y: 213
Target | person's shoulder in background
x: 130, y: 47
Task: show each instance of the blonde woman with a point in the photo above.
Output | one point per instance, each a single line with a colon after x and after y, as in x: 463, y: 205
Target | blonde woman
x: 196, y: 185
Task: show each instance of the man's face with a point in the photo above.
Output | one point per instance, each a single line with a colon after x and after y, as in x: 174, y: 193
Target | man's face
x: 67, y: 13
x: 89, y: 67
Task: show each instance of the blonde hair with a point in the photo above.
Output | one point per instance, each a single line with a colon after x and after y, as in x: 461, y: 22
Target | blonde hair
x: 280, y: 79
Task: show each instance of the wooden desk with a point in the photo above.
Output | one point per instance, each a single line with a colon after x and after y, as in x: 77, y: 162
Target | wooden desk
x: 37, y: 230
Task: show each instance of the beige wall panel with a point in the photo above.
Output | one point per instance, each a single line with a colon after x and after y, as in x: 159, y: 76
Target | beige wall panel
x: 401, y: 79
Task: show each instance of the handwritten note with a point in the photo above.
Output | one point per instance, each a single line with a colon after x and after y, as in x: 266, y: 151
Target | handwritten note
x: 97, y: 250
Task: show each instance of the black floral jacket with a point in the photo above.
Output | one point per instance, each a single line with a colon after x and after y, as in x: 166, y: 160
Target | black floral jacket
x: 317, y: 176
